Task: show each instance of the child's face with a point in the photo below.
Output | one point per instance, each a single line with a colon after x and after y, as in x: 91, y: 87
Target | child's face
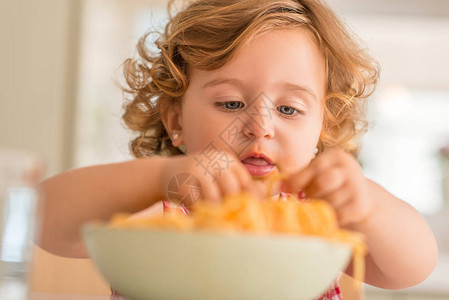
x: 266, y: 101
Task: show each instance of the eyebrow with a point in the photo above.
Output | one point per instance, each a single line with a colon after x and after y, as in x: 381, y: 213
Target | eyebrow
x: 238, y: 82
x: 296, y: 87
x: 218, y: 81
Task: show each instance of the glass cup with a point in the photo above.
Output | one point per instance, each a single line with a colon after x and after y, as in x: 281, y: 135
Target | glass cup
x: 20, y: 173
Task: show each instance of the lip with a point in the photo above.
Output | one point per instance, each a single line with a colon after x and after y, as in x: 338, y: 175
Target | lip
x: 259, y: 171
x: 257, y: 154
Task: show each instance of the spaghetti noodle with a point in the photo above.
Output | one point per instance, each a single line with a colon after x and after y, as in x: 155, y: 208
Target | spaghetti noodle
x: 244, y: 213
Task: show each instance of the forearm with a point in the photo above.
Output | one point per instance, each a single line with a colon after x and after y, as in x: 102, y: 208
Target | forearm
x: 95, y: 193
x: 402, y: 248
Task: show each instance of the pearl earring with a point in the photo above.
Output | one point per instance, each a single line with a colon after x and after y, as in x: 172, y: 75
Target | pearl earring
x: 316, y: 150
x: 175, y: 136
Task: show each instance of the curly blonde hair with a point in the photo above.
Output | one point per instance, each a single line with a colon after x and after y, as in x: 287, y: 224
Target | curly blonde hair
x: 206, y: 34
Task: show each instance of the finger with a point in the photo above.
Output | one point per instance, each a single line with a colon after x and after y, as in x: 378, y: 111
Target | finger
x: 339, y: 197
x: 253, y: 187
x: 244, y: 177
x: 211, y: 193
x: 303, y: 178
x: 352, y: 212
x: 325, y: 183
x: 228, y: 183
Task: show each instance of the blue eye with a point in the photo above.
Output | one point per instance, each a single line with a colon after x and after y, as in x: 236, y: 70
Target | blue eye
x: 230, y: 105
x: 233, y: 104
x: 287, y: 110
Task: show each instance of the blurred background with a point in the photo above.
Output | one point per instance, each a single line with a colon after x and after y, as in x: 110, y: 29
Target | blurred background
x: 59, y: 60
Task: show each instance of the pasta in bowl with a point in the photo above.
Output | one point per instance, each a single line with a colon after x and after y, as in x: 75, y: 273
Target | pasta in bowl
x: 242, y: 248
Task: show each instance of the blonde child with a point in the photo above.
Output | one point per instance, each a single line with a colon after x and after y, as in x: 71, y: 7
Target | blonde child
x: 241, y: 89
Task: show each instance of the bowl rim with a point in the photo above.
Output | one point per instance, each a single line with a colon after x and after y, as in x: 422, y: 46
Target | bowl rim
x: 94, y: 226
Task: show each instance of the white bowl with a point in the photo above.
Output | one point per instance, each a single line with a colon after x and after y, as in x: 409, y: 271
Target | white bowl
x: 161, y: 264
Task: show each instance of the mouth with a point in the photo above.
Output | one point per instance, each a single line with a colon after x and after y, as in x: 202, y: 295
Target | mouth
x: 258, y: 164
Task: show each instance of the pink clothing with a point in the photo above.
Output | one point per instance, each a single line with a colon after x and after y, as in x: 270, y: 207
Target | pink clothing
x: 333, y: 293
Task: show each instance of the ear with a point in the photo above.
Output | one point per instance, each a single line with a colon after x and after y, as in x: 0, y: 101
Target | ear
x: 171, y: 115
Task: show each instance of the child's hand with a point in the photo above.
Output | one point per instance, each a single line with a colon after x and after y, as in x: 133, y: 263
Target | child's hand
x: 227, y: 176
x: 335, y: 176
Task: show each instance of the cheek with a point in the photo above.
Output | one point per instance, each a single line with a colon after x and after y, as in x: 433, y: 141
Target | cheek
x: 197, y: 135
x: 298, y: 158
x: 300, y: 149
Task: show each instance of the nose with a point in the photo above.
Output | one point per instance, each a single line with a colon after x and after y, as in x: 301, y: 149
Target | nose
x: 259, y: 123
